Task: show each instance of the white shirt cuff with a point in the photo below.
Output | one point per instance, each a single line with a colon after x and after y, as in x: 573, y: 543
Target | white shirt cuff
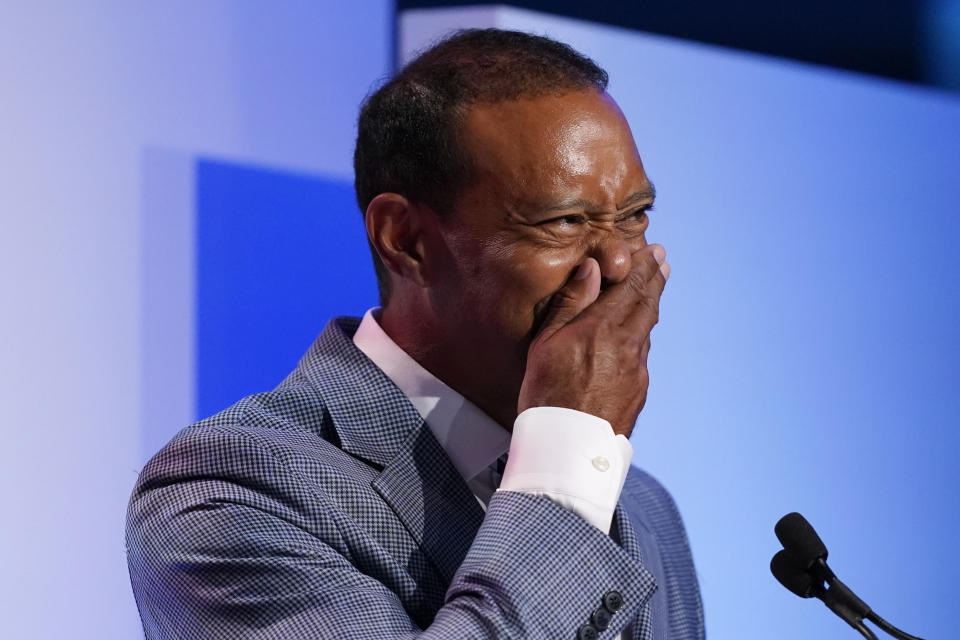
x: 571, y: 457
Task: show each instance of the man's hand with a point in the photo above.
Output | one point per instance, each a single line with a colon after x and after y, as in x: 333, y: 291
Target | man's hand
x: 591, y: 354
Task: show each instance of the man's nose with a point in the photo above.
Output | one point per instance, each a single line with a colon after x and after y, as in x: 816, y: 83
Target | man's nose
x: 613, y: 253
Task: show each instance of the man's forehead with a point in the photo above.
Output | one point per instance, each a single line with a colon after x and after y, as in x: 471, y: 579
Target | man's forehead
x: 542, y: 125
x: 529, y: 116
x: 543, y: 149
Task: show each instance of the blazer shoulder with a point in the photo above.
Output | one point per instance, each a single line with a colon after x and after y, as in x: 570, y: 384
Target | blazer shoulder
x: 643, y: 490
x: 301, y: 403
x: 274, y: 452
x: 295, y: 406
x: 279, y: 423
x: 651, y: 506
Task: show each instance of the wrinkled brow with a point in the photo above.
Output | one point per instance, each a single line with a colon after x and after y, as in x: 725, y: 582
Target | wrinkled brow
x: 647, y: 194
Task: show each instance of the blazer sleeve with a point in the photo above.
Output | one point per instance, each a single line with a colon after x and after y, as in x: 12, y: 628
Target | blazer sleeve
x: 223, y: 549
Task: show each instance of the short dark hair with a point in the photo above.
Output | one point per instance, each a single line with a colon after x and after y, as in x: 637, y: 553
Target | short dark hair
x: 408, y: 134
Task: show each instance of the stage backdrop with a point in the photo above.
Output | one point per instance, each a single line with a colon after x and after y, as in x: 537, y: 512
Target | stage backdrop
x: 806, y: 357
x: 179, y: 225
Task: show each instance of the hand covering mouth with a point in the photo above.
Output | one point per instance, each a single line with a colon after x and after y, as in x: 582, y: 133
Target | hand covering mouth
x: 540, y: 312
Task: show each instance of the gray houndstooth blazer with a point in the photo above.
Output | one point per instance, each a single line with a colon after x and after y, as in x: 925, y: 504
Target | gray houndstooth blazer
x: 326, y: 509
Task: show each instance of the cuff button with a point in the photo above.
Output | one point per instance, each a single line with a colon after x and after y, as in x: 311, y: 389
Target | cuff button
x: 613, y: 601
x: 587, y: 632
x: 600, y: 463
x: 601, y: 618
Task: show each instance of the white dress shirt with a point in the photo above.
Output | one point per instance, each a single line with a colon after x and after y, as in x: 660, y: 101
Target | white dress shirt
x: 568, y: 456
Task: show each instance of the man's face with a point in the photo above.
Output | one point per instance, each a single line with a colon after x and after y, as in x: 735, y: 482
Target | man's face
x: 556, y: 179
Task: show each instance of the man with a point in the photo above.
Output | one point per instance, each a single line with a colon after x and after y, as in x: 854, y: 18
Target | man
x: 366, y: 496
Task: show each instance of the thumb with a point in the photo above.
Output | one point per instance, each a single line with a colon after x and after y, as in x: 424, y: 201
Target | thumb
x: 579, y: 293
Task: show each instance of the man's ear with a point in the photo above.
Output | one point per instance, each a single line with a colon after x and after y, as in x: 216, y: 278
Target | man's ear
x: 395, y: 229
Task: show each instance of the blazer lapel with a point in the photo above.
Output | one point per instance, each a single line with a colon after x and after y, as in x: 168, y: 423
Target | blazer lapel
x: 375, y: 421
x: 431, y: 499
x: 371, y: 416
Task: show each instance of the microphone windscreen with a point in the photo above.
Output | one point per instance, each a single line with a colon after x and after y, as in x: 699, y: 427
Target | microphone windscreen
x: 796, y: 535
x: 786, y: 568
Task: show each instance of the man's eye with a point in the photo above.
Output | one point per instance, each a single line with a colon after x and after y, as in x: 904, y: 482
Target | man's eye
x: 571, y: 219
x: 638, y: 215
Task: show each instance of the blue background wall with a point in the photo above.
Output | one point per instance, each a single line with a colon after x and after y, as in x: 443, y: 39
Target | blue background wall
x: 278, y: 255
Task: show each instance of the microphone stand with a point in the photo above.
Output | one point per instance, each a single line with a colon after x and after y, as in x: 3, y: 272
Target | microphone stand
x: 842, y: 601
x: 889, y: 628
x: 865, y: 630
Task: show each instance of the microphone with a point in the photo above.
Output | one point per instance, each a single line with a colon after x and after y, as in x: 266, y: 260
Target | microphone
x: 801, y: 567
x: 787, y: 569
x: 795, y: 534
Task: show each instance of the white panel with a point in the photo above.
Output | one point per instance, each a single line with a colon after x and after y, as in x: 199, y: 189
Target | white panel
x: 89, y: 89
x: 168, y: 384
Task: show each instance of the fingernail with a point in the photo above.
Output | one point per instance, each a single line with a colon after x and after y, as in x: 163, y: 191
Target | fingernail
x: 584, y: 271
x: 665, y: 270
x: 659, y: 254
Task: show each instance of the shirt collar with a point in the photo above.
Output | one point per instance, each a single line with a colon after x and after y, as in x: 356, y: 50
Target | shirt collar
x: 471, y: 438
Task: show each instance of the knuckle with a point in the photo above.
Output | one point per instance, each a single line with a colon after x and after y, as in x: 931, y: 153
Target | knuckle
x: 637, y: 282
x: 564, y: 298
x: 649, y: 265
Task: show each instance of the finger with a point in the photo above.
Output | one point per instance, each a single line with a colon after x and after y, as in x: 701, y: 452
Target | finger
x: 639, y: 301
x: 580, y: 291
x: 645, y: 351
x: 618, y: 300
x: 644, y: 313
x: 665, y: 271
